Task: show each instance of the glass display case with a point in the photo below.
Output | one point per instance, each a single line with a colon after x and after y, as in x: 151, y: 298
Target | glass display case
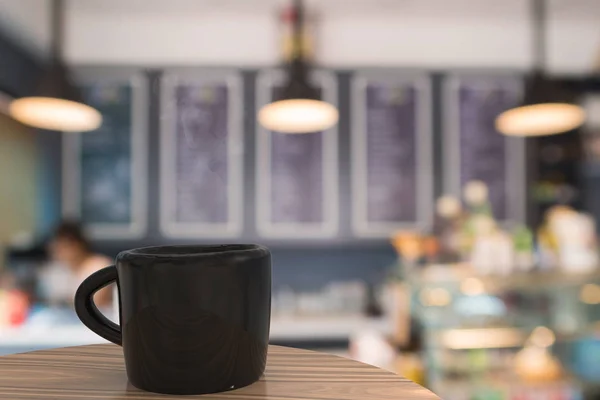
x: 518, y: 336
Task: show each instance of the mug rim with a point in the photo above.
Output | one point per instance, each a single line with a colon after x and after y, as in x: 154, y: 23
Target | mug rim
x: 195, y: 251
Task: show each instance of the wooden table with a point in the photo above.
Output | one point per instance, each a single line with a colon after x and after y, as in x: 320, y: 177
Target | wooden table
x: 98, y: 372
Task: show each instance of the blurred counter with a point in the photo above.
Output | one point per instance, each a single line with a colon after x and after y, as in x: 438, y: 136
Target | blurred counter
x: 310, y: 332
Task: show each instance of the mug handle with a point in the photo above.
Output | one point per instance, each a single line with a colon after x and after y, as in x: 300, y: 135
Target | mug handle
x: 87, y: 311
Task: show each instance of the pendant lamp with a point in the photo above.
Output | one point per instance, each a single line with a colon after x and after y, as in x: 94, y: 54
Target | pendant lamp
x: 57, y: 104
x: 548, y: 108
x: 299, y: 108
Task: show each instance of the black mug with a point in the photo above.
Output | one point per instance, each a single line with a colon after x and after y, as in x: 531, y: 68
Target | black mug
x: 193, y: 319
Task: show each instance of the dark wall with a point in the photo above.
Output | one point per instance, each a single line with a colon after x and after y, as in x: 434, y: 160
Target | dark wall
x: 49, y: 180
x: 298, y: 263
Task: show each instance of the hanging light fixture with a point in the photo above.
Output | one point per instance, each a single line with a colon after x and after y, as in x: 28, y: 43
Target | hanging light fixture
x: 299, y: 108
x: 57, y: 104
x: 548, y: 108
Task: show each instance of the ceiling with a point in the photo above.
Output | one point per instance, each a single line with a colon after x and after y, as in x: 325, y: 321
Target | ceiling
x: 370, y: 32
x: 578, y: 8
x: 485, y: 9
x: 178, y: 6
x: 481, y: 7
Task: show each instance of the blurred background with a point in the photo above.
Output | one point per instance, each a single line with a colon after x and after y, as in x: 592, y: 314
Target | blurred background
x: 426, y: 173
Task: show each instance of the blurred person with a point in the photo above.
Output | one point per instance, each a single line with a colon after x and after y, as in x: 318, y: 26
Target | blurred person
x: 14, y: 302
x: 70, y: 247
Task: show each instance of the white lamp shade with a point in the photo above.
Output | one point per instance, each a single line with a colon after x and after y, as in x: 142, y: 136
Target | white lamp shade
x: 55, y: 114
x: 298, y: 116
x: 540, y: 119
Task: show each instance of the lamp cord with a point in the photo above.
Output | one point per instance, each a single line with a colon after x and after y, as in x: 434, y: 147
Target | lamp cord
x: 57, y: 25
x: 538, y: 11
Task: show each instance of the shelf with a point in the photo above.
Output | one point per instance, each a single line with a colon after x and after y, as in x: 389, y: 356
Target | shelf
x: 321, y: 328
x: 480, y: 338
x: 456, y: 273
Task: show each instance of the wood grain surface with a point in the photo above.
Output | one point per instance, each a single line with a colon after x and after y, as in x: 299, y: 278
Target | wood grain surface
x: 98, y: 372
